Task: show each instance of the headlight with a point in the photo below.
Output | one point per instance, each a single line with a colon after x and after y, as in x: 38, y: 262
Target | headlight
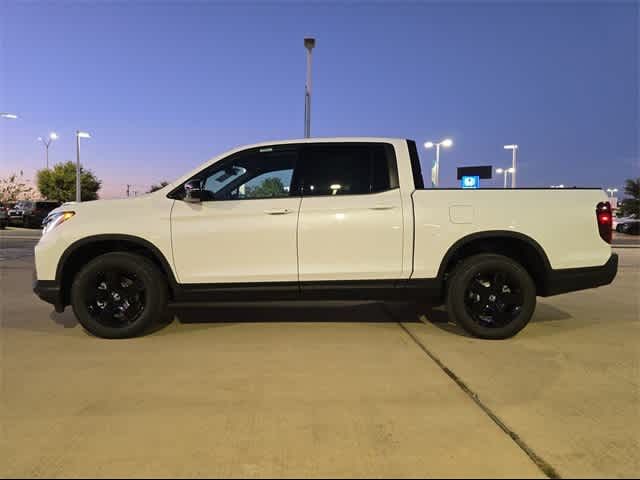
x: 53, y: 220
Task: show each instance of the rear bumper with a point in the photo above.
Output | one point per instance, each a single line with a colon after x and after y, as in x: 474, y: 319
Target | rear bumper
x: 572, y: 279
x: 50, y: 292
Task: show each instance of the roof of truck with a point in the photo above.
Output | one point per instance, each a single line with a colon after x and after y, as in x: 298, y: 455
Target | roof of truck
x: 326, y: 140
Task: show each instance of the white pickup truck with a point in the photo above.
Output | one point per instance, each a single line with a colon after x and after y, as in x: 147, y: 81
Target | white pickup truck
x: 335, y: 218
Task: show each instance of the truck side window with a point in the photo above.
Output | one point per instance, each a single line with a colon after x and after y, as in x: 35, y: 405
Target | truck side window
x: 253, y: 174
x: 349, y: 169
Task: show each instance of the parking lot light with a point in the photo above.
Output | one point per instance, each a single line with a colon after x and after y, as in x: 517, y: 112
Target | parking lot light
x: 514, y: 149
x: 47, y: 142
x: 79, y: 135
x: 435, y: 169
x: 506, y: 172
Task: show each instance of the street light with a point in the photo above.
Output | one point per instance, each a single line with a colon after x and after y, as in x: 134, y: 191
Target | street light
x: 435, y: 169
x: 309, y: 44
x: 79, y: 135
x: 506, y: 172
x: 612, y: 191
x: 514, y: 149
x: 46, y: 142
x: 10, y: 116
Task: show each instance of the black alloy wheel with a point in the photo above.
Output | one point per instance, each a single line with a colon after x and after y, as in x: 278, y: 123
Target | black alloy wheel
x: 494, y: 298
x: 117, y: 298
x: 490, y: 296
x: 119, y: 295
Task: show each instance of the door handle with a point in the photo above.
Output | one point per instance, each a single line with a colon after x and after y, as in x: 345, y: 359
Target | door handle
x: 381, y: 207
x: 278, y: 211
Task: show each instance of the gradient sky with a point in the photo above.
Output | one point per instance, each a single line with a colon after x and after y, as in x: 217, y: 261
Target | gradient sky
x: 163, y: 86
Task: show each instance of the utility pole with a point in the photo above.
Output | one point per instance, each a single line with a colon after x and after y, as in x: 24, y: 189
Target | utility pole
x: 309, y: 44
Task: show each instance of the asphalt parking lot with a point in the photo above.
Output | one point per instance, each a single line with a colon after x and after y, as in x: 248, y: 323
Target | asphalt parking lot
x: 318, y: 390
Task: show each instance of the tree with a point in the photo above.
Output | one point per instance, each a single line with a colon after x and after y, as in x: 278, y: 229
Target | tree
x: 12, y: 188
x: 270, y: 187
x: 155, y: 187
x: 59, y: 183
x: 631, y: 205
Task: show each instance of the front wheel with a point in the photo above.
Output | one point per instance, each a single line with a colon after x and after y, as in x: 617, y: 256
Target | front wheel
x: 491, y: 296
x: 119, y: 295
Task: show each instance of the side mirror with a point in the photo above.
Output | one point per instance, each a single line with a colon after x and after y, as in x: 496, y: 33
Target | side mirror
x: 193, y: 191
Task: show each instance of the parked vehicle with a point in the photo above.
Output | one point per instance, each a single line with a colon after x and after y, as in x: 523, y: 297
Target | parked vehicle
x: 35, y: 212
x: 4, y: 216
x: 341, y: 218
x: 16, y: 212
x: 629, y: 226
x: 618, y: 222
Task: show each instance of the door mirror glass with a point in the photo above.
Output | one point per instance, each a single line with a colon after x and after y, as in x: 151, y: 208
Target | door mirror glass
x: 193, y: 191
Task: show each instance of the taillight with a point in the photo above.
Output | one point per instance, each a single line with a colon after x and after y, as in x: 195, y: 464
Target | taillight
x: 605, y: 220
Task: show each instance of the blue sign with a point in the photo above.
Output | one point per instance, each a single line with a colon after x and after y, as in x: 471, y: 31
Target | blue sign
x: 470, y: 181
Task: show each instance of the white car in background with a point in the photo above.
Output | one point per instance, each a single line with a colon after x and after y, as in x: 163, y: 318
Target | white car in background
x: 618, y: 222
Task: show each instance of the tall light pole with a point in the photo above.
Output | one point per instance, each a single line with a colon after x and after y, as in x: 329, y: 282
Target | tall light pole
x: 514, y: 149
x: 506, y: 172
x: 79, y: 135
x: 9, y: 116
x: 309, y: 44
x: 46, y: 142
x: 435, y: 169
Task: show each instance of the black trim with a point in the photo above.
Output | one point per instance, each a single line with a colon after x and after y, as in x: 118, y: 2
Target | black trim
x: 416, y: 169
x: 572, y: 279
x: 487, y: 235
x: 257, y: 291
x: 49, y: 291
x: 115, y: 237
x: 316, y: 290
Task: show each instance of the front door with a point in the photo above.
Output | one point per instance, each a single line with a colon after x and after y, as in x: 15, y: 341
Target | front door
x: 244, y: 230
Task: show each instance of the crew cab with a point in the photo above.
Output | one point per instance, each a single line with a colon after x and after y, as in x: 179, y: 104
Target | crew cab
x: 335, y: 218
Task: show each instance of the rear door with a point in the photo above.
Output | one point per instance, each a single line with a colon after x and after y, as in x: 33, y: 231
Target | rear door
x: 351, y: 223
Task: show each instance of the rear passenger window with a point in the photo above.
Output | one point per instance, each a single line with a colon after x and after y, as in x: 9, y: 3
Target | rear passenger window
x: 348, y: 169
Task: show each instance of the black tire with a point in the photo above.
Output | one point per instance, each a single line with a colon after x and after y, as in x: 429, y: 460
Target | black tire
x: 491, y: 296
x: 119, y: 295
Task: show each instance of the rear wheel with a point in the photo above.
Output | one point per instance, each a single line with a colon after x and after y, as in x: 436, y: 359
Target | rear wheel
x: 491, y: 296
x: 119, y: 295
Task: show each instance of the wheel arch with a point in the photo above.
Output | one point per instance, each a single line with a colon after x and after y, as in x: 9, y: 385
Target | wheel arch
x: 520, y: 247
x: 80, y: 252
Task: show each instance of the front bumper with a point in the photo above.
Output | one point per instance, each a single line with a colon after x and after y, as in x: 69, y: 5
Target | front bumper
x: 572, y: 279
x: 50, y: 292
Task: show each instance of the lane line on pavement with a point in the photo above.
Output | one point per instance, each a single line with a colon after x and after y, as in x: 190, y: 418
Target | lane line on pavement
x: 544, y: 467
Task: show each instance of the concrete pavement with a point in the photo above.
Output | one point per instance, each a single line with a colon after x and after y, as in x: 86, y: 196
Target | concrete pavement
x: 570, y: 383
x: 310, y: 390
